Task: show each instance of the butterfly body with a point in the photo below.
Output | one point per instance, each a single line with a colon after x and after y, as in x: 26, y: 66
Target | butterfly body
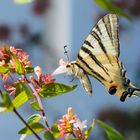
x: 99, y: 58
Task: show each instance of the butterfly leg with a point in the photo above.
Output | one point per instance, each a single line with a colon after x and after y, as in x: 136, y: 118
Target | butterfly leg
x: 72, y: 79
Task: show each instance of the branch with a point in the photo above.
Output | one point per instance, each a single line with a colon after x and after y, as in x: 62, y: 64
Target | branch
x: 20, y: 117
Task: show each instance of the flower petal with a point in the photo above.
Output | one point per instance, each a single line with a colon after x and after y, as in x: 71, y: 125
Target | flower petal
x: 60, y: 70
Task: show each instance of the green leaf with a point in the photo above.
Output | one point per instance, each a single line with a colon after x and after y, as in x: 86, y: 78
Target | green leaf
x: 23, y: 94
x: 75, y: 139
x: 20, y: 86
x: 19, y: 66
x: 22, y: 1
x: 21, y: 98
x: 34, y: 118
x: 6, y: 104
x: 48, y: 136
x: 29, y: 69
x: 4, y: 70
x: 35, y: 105
x: 89, y: 130
x: 55, y: 89
x: 108, y: 5
x: 111, y: 132
x: 55, y: 131
x: 37, y: 127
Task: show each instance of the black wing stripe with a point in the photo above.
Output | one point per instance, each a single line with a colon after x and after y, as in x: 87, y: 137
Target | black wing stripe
x: 86, y: 42
x: 108, y: 28
x: 112, y: 26
x: 98, y: 76
x: 98, y: 29
x: 93, y: 57
x: 119, y: 65
x: 96, y: 36
x: 118, y: 49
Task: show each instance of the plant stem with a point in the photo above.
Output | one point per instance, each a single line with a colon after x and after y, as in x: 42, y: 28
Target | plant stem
x: 20, y: 117
x: 39, y: 102
x: 0, y: 92
x: 74, y: 135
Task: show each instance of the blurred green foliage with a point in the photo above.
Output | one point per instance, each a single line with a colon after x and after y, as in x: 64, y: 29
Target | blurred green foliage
x: 112, y: 8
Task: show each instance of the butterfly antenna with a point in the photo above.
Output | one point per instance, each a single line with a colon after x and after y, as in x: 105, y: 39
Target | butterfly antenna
x: 65, y: 52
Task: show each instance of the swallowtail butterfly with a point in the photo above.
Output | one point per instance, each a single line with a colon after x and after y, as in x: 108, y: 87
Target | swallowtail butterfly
x: 99, y: 58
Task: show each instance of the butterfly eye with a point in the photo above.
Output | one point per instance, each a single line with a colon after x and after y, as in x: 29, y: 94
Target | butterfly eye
x: 68, y: 66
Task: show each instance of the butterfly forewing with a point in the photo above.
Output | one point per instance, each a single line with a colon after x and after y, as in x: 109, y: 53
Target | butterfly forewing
x: 99, y: 54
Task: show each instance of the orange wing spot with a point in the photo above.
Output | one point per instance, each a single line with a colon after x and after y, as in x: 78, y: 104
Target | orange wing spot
x: 115, y: 84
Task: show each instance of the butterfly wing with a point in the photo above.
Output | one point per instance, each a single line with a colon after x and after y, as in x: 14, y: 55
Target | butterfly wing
x: 99, y: 54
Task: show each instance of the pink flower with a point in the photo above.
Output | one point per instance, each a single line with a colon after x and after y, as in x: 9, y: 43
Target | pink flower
x: 7, y: 60
x: 41, y: 79
x: 22, y: 57
x: 2, y: 63
x: 4, y: 54
x: 38, y: 72
x: 65, y: 125
x: 10, y: 88
x: 5, y: 76
x: 47, y: 79
x: 70, y: 124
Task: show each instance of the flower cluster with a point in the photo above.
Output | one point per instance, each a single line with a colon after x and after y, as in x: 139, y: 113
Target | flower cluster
x: 14, y: 60
x: 41, y: 79
x: 22, y: 57
x: 9, y: 58
x: 71, y: 125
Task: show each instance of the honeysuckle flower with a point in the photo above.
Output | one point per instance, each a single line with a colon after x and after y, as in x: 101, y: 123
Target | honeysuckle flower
x: 21, y: 55
x: 71, y: 124
x: 65, y: 125
x: 8, y: 60
x: 80, y: 124
x: 62, y: 68
x: 46, y: 79
x: 38, y: 72
x: 3, y: 54
x: 5, y: 76
x: 41, y: 79
x: 2, y: 63
x: 10, y: 88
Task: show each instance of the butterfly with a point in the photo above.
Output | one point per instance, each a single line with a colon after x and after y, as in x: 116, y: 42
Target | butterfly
x: 99, y: 58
